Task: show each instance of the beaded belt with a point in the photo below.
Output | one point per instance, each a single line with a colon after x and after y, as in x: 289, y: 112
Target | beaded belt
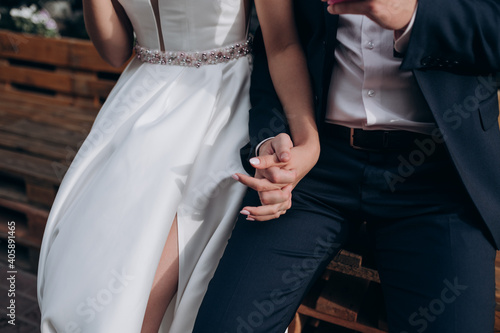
x: 194, y: 59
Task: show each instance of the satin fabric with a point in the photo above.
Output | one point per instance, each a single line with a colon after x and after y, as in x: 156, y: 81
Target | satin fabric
x: 166, y: 142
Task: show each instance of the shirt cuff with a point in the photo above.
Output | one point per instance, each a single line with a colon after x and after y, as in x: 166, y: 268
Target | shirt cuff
x: 260, y: 144
x: 401, y: 43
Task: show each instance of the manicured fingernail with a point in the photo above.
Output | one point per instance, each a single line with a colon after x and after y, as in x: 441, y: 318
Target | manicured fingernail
x: 245, y: 212
x: 250, y: 219
x: 254, y: 161
x: 235, y: 177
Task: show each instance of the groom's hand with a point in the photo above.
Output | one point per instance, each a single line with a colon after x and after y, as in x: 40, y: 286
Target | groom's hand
x: 280, y: 166
x: 389, y: 14
x: 272, y: 180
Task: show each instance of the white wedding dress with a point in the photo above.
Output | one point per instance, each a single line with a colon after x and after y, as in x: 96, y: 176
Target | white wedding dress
x: 165, y: 143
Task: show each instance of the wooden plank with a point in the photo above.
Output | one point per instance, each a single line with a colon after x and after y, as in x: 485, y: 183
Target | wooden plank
x: 324, y: 327
x: 35, y: 77
x: 342, y: 296
x: 48, y: 104
x: 29, y: 166
x: 298, y: 323
x: 22, y: 236
x: 305, y: 310
x: 79, y: 84
x: 68, y: 100
x: 361, y: 272
x: 34, y: 147
x: 30, y: 232
x: 40, y: 193
x: 348, y: 258
x: 43, y: 132
x: 45, y: 115
x: 61, y: 52
x: 12, y: 188
x: 84, y: 85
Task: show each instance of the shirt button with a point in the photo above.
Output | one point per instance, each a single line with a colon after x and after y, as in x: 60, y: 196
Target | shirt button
x: 371, y: 93
x: 370, y: 45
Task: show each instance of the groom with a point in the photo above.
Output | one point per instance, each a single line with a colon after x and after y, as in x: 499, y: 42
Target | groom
x: 408, y: 120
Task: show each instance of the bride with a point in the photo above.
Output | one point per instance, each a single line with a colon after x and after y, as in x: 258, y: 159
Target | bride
x: 144, y: 212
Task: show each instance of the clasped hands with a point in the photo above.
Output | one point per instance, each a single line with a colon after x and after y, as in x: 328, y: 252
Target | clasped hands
x: 279, y: 167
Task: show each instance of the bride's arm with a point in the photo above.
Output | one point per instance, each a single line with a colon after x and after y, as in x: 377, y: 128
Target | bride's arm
x: 288, y: 69
x: 109, y: 29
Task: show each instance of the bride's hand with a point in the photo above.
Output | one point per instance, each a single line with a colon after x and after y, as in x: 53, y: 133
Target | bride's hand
x: 280, y: 166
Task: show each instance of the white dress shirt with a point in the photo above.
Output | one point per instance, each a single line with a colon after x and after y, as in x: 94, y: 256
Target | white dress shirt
x: 367, y: 89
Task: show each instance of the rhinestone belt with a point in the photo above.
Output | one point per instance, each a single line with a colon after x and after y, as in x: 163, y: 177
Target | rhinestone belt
x: 194, y: 59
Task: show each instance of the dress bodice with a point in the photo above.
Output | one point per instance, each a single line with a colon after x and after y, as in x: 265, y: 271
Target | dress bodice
x: 187, y: 25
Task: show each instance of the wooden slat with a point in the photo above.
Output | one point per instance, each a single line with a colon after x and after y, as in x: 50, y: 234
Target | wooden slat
x: 298, y: 323
x: 47, y: 104
x: 351, y: 264
x: 46, y: 114
x: 29, y: 166
x: 37, y: 131
x: 305, y: 310
x: 72, y: 101
x: 22, y: 236
x: 11, y: 191
x: 348, y: 258
x: 43, y: 194
x: 342, y: 296
x: 67, y: 52
x: 30, y: 234
x: 363, y: 272
x: 38, y: 148
x: 69, y: 83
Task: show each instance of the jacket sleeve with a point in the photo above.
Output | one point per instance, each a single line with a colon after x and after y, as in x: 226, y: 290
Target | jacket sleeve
x: 267, y: 118
x: 460, y: 36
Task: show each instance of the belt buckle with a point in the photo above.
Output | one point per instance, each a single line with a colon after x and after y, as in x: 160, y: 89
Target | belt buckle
x: 351, y: 142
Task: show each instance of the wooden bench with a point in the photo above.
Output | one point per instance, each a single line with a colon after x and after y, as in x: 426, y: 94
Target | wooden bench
x: 50, y: 92
x: 348, y: 295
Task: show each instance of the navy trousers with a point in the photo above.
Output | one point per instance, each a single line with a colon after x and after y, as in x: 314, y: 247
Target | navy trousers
x: 434, y: 256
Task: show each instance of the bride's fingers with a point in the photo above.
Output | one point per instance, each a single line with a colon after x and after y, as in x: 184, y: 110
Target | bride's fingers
x: 266, y: 161
x: 263, y: 218
x: 259, y: 185
x: 265, y: 213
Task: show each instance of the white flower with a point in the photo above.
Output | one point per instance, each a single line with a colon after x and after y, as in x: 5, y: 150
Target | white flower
x: 44, y: 15
x: 51, y: 24
x: 23, y: 12
x: 14, y: 12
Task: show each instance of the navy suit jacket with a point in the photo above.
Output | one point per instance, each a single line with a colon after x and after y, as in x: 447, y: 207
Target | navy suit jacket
x: 454, y: 54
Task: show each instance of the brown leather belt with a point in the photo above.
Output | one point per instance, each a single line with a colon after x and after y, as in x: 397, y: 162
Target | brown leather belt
x: 377, y: 140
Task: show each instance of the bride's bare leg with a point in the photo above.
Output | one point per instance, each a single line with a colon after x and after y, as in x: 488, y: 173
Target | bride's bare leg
x: 164, y: 284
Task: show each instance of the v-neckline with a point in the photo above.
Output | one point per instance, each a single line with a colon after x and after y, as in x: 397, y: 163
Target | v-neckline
x: 155, y: 4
